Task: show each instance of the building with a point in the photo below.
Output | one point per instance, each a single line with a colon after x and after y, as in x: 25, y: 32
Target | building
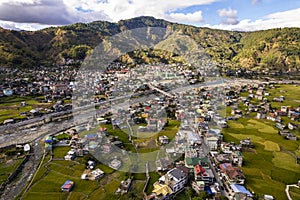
x: 175, y: 179
x: 233, y: 175
x: 67, y: 186
x: 115, y: 164
x: 240, y: 190
x: 198, y: 186
x: 71, y: 155
x: 163, y: 164
x: 205, y: 175
x: 125, y: 186
x: 160, y: 191
x: 193, y: 138
x: 163, y: 139
x: 212, y: 142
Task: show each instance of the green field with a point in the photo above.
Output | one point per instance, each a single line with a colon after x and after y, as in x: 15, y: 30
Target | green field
x: 53, y: 174
x: 10, y: 107
x: 295, y: 193
x: 290, y: 92
x: 8, y: 167
x: 273, y: 164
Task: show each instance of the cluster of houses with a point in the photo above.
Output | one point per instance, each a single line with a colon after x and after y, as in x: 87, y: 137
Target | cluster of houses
x: 53, y: 82
x: 286, y: 117
x: 209, y: 164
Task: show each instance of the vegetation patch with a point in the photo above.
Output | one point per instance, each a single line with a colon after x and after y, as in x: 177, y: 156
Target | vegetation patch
x: 286, y: 161
x: 295, y: 192
x: 271, y: 146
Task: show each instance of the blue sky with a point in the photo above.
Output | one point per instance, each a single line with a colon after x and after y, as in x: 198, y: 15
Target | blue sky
x: 244, y: 15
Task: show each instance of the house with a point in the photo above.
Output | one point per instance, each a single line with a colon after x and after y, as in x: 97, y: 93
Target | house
x: 106, y: 148
x: 193, y: 138
x: 8, y: 121
x: 268, y: 197
x: 163, y: 164
x: 233, y: 175
x: 239, y: 190
x: 163, y: 139
x: 71, y: 155
x: 284, y: 109
x: 280, y: 113
x: 202, y: 174
x: 222, y: 124
x: 292, y: 126
x: 246, y: 143
x: 91, y: 164
x: 125, y: 186
x: 160, y: 191
x: 260, y: 92
x: 280, y: 126
x: 198, y: 186
x: 271, y: 116
x: 115, y: 164
x: 89, y: 174
x: 67, y: 186
x: 261, y: 115
x: 211, y: 142
x: 237, y: 158
x: 236, y: 112
x: 175, y: 179
x: 294, y: 115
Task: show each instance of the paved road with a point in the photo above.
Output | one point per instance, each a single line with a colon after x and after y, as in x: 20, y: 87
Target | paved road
x: 217, y: 177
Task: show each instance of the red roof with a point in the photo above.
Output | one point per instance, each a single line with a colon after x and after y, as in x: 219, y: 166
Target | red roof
x: 199, y: 170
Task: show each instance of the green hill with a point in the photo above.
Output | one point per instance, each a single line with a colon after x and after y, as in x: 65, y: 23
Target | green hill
x: 270, y: 49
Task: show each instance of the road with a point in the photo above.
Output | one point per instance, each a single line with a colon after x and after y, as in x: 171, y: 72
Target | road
x: 217, y: 177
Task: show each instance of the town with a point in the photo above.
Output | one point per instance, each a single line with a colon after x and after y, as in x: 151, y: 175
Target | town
x: 164, y: 132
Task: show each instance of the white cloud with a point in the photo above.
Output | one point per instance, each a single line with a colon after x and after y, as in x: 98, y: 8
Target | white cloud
x: 62, y: 12
x: 36, y: 14
x: 229, y: 16
x: 195, y: 17
x: 19, y: 2
x: 290, y: 18
x: 22, y: 26
x: 124, y: 9
x: 227, y: 13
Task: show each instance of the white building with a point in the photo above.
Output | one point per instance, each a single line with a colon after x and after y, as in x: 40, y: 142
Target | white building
x: 175, y: 179
x: 211, y: 142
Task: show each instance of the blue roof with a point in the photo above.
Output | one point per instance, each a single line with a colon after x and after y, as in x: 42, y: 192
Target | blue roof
x: 92, y: 135
x: 208, y: 190
x: 240, y: 189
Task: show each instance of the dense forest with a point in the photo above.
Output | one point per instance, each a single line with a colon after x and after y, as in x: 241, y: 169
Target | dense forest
x: 268, y: 49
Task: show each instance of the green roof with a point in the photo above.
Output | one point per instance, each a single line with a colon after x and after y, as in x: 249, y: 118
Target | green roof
x: 195, y: 161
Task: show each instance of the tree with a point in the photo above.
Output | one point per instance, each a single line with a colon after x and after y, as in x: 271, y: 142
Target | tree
x: 189, y: 192
x: 202, y: 196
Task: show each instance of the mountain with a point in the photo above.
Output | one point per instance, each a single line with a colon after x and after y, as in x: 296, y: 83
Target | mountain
x: 268, y: 49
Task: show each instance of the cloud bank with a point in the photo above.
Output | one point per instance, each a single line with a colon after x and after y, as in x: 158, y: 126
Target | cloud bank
x: 38, y: 14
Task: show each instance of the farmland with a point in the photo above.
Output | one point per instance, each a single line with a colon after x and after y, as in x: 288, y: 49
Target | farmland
x: 272, y: 165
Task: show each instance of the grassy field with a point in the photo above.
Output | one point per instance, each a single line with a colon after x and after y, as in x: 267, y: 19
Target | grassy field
x: 8, y: 167
x: 295, y: 193
x: 272, y: 165
x: 10, y: 106
x: 290, y: 92
x: 52, y: 175
x: 154, y: 176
